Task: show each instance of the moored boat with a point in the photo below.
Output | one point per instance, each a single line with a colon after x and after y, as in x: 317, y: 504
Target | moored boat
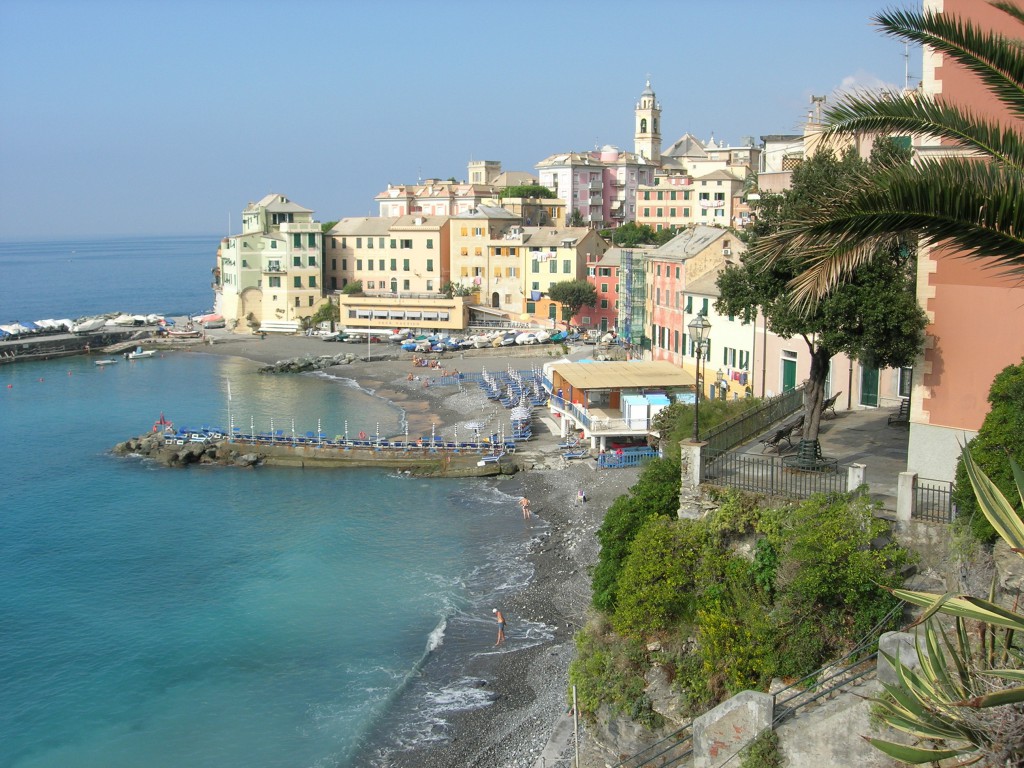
x: 139, y: 353
x: 101, y: 363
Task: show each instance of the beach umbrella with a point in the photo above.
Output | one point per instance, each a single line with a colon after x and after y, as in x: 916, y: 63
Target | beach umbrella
x: 456, y: 438
x: 252, y: 427
x: 319, y: 433
x: 293, y: 431
x: 346, y: 430
x: 378, y: 433
x: 431, y: 436
x: 271, y: 430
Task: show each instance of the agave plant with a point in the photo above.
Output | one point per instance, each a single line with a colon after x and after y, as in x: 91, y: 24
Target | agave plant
x: 968, y: 199
x: 965, y: 698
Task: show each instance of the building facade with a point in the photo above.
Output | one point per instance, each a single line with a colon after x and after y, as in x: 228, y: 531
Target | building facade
x: 271, y: 274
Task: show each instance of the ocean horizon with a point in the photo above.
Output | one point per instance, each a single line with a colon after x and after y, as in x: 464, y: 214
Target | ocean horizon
x: 218, y: 616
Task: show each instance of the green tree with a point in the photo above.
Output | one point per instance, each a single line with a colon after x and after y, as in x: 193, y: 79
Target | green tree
x: 630, y: 235
x: 572, y: 295
x: 455, y: 289
x: 970, y: 200
x: 327, y: 226
x: 327, y: 313
x: 528, y: 190
x: 356, y: 286
x: 873, y: 317
x: 655, y: 493
x: 576, y: 219
x: 1000, y: 439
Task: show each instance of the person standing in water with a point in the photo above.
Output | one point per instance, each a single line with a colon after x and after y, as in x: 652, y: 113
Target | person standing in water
x: 501, y: 625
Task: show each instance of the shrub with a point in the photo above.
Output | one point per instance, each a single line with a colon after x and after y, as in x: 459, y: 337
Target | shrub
x: 608, y: 670
x: 1001, y: 436
x: 762, y: 752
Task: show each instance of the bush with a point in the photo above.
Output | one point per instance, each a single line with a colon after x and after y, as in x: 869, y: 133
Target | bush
x: 608, y: 670
x: 675, y: 423
x: 762, y: 752
x: 1000, y: 437
x: 656, y: 493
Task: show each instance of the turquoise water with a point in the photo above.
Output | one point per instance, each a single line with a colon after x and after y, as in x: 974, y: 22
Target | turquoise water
x: 217, y: 616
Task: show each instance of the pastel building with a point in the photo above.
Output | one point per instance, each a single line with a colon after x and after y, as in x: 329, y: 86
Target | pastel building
x: 551, y: 255
x: 601, y: 185
x: 603, y: 274
x: 975, y: 314
x: 486, y: 258
x: 271, y: 273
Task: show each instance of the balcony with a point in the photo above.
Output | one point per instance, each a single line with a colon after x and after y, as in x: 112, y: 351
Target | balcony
x: 712, y: 203
x: 273, y: 268
x: 618, y: 182
x: 594, y: 186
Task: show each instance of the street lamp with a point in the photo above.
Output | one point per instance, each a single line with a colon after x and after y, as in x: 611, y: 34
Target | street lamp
x: 699, y: 328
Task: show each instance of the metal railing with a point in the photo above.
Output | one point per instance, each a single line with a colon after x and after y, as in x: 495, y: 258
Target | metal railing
x: 933, y: 501
x: 751, y: 423
x: 768, y: 475
x: 630, y: 457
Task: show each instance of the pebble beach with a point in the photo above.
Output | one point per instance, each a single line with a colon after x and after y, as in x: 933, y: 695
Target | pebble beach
x: 528, y: 722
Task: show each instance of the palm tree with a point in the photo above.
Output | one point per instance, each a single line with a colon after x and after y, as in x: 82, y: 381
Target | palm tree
x: 968, y: 198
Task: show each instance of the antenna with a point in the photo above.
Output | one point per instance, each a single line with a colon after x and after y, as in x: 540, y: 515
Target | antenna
x: 906, y: 66
x: 817, y: 101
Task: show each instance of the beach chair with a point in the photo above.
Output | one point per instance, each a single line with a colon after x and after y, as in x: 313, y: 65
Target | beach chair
x: 582, y: 453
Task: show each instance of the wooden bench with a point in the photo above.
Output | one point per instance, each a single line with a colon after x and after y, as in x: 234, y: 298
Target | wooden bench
x: 830, y: 404
x: 784, y: 432
x: 902, y: 416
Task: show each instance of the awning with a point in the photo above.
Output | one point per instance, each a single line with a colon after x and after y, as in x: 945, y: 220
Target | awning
x: 381, y: 313
x: 430, y: 315
x: 412, y: 315
x: 442, y: 315
x: 363, y: 313
x: 396, y: 314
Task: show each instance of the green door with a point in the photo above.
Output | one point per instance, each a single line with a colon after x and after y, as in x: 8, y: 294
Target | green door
x: 788, y: 374
x: 869, y: 387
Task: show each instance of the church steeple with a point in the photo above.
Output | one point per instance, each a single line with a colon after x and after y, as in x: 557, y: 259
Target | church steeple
x: 647, y: 139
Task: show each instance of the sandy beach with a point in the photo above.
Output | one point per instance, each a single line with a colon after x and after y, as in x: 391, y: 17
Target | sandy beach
x: 530, y: 685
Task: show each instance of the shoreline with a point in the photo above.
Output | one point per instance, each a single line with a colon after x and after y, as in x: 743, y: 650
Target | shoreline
x: 530, y: 685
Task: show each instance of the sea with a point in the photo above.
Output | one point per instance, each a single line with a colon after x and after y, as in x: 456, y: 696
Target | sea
x: 218, y: 616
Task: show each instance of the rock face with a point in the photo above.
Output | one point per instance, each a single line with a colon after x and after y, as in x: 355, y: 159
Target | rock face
x: 153, y: 446
x: 319, y: 363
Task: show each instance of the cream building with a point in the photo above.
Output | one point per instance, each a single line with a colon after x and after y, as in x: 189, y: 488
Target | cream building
x: 270, y: 273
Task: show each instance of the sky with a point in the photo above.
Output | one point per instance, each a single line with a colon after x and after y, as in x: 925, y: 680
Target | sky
x: 158, y: 118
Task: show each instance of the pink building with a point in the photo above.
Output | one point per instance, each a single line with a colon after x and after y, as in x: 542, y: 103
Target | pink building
x: 603, y: 274
x: 975, y: 315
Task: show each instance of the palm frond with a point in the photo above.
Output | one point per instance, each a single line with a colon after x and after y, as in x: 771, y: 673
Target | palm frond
x: 996, y: 59
x: 970, y: 205
x: 910, y: 114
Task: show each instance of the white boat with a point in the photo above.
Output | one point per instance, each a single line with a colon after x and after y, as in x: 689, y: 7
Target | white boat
x: 110, y: 361
x: 542, y: 336
x: 139, y: 353
x: 92, y: 324
x: 123, y: 320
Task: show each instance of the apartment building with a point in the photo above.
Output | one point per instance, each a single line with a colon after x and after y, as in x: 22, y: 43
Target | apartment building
x: 272, y: 272
x: 485, y: 257
x: 603, y: 274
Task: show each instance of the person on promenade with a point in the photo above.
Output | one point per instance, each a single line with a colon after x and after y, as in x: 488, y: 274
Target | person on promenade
x: 525, y: 504
x: 581, y: 497
x: 501, y: 625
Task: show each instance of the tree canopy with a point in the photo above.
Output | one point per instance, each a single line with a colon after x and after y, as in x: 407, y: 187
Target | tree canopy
x: 873, y: 317
x: 528, y: 190
x: 969, y: 200
x: 572, y: 295
x: 631, y: 234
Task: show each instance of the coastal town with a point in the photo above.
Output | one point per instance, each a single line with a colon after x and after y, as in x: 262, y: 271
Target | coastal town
x: 762, y: 432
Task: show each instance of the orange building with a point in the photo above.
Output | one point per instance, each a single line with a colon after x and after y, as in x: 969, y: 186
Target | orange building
x: 975, y: 316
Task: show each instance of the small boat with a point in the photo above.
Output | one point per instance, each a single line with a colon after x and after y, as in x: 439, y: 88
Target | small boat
x: 139, y: 353
x: 185, y: 334
x: 109, y: 361
x: 93, y: 324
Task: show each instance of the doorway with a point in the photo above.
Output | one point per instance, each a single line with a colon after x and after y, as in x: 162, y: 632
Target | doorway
x: 788, y: 371
x: 869, y: 387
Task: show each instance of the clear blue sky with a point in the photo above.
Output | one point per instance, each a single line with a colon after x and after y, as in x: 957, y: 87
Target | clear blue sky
x: 145, y: 117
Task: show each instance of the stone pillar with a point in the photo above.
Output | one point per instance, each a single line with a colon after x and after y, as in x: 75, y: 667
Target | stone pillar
x: 719, y: 734
x: 692, y: 474
x: 905, y: 484
x: 856, y: 476
x: 899, y: 645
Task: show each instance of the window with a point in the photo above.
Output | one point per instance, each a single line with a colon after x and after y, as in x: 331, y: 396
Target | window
x: 604, y: 287
x: 312, y: 281
x: 658, y: 270
x: 297, y: 281
x: 274, y: 282
x: 334, y: 243
x: 369, y: 265
x: 380, y: 242
x: 369, y: 242
x: 405, y: 285
x: 535, y: 266
x: 371, y: 285
x: 311, y: 301
x: 296, y: 261
x: 334, y: 283
x: 430, y: 285
x: 660, y: 193
x: 686, y: 212
x: 394, y: 265
x: 344, y: 242
x: 311, y: 261
x: 463, y: 251
x: 478, y: 252
x: 405, y: 244
x: 359, y: 242
x: 344, y: 264
x: 273, y: 244
x: 704, y: 307
x: 380, y: 264
x: 405, y: 265
x: 334, y: 264
x: 534, y: 286
x: 647, y: 212
x: 660, y: 212
x: 463, y: 231
x: 553, y: 266
x: 604, y: 303
x: 311, y: 240
x: 297, y: 240
x: 430, y: 265
x: 298, y: 301
x: 672, y: 195
x: 689, y: 304
x: 393, y: 241
x: 567, y: 266
x: 430, y: 243
x: 647, y: 194
x: 531, y: 307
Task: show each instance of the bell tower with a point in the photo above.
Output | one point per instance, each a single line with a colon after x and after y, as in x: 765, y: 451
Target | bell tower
x: 647, y: 139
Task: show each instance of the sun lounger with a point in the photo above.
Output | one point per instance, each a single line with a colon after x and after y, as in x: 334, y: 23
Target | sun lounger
x: 580, y: 454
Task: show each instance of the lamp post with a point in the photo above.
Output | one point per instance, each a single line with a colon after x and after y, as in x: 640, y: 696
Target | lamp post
x: 698, y: 328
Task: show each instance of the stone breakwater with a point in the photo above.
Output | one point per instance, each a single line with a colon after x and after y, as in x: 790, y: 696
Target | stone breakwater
x: 223, y: 452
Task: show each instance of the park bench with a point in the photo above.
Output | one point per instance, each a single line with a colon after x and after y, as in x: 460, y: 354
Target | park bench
x: 784, y: 432
x: 830, y: 404
x: 902, y: 416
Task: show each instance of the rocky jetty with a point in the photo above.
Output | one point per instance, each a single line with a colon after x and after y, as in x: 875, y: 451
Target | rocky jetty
x: 220, y: 451
x: 319, y: 362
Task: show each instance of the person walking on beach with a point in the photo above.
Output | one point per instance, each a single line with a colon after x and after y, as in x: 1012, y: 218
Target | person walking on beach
x: 525, y: 504
x: 501, y: 625
x: 581, y: 497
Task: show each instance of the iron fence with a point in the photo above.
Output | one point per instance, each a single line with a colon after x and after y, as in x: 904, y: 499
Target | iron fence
x: 933, y: 501
x: 751, y: 423
x: 770, y: 476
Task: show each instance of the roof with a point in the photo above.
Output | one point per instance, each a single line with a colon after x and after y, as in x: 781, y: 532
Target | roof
x: 487, y: 212
x: 278, y: 204
x: 539, y: 236
x: 419, y: 221
x: 690, y: 242
x: 705, y: 285
x: 619, y: 375
x: 687, y: 145
x: 365, y: 225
